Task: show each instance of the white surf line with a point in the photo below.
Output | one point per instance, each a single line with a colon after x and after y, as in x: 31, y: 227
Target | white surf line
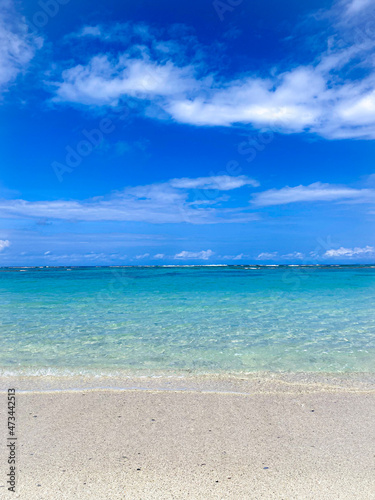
x: 320, y: 390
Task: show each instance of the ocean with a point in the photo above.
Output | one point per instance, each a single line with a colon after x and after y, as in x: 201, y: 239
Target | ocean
x: 187, y: 319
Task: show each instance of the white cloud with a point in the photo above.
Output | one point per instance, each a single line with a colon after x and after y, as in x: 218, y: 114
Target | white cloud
x: 275, y: 255
x: 159, y: 256
x: 267, y: 256
x: 129, y: 33
x: 155, y: 203
x: 356, y: 6
x: 90, y: 31
x: 319, y: 97
x: 104, y: 81
x: 284, y: 102
x: 202, y: 255
x: 18, y: 46
x: 76, y: 258
x: 314, y: 192
x: 95, y: 256
x: 143, y: 256
x: 219, y: 182
x: 350, y: 252
x: 4, y: 244
x: 293, y: 255
x: 240, y: 256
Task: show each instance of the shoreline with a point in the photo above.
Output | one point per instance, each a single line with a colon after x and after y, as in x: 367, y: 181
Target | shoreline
x: 236, y: 382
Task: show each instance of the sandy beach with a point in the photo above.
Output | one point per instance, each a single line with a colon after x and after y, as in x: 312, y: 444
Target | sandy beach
x: 252, y: 439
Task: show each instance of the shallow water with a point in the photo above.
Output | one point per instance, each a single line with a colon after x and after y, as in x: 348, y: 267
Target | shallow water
x: 187, y: 319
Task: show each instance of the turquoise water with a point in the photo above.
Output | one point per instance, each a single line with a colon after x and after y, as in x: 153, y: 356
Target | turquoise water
x: 197, y: 319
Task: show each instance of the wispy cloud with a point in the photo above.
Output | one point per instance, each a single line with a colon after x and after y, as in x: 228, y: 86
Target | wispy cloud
x: 267, y: 256
x: 202, y: 255
x: 240, y: 256
x: 135, y: 33
x: 312, y: 193
x: 219, y: 182
x: 18, y: 45
x: 275, y: 255
x: 167, y: 202
x: 293, y: 256
x: 98, y: 258
x: 142, y: 256
x: 350, y: 252
x: 90, y: 31
x: 356, y: 6
x: 159, y: 256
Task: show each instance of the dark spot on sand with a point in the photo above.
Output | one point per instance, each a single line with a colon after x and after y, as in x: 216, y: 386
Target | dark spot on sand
x: 139, y: 469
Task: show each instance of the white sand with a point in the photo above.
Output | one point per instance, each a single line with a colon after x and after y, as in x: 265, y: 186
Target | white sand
x: 317, y: 442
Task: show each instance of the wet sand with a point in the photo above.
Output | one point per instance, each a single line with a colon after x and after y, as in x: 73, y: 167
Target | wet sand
x: 197, y: 438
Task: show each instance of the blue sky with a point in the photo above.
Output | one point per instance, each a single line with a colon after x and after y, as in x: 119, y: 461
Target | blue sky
x: 191, y: 132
